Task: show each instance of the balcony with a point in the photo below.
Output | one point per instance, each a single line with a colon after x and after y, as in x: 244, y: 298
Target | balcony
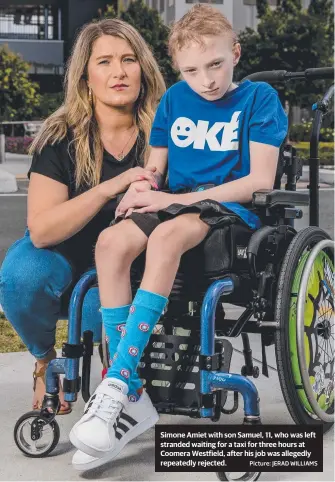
x: 38, y: 52
x: 34, y: 32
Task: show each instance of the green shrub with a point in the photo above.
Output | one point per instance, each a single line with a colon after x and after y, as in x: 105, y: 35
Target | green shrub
x: 19, y: 96
x: 302, y: 132
x: 49, y: 103
x: 326, y: 152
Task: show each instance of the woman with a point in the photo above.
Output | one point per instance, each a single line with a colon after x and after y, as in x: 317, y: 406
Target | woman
x: 86, y: 153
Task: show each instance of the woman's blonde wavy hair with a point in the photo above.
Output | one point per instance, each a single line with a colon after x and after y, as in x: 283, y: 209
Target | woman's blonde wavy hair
x: 76, y: 113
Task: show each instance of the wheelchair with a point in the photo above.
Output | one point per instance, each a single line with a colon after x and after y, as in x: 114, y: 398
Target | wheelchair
x: 282, y: 279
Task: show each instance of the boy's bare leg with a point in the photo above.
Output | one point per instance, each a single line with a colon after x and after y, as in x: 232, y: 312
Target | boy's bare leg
x: 115, y: 251
x: 165, y: 247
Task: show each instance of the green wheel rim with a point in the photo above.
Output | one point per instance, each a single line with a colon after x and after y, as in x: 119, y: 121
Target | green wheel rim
x: 319, y: 331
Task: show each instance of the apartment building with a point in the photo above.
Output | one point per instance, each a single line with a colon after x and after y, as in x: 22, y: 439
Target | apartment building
x: 43, y: 32
x: 241, y: 13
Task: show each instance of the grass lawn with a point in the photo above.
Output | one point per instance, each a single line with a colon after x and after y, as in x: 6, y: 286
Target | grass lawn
x: 10, y: 341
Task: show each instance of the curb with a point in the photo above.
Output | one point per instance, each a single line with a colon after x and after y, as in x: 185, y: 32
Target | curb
x: 8, y: 182
x: 326, y: 176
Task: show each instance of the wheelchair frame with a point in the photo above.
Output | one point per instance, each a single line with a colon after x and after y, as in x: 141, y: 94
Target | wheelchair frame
x: 278, y: 211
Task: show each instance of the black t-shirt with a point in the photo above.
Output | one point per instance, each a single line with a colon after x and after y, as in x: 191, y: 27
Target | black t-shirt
x: 56, y: 161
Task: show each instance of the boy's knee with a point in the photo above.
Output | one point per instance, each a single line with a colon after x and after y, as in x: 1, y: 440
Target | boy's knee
x: 119, y: 242
x: 106, y: 239
x: 165, y: 238
x: 164, y: 231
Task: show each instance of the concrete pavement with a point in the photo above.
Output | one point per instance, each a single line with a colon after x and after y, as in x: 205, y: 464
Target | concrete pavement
x: 136, y: 462
x: 14, y: 168
x: 8, y: 182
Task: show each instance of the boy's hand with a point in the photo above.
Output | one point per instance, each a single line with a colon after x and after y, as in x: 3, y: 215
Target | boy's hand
x: 145, y: 202
x: 137, y: 186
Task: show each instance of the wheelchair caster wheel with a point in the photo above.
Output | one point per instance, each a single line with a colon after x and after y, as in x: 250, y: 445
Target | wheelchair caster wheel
x: 35, y: 436
x: 255, y: 372
x: 238, y: 475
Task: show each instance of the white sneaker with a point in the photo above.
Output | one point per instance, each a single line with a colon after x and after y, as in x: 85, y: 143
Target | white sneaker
x: 95, y: 434
x: 135, y: 418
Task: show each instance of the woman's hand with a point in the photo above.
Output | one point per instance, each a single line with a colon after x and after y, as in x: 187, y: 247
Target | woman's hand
x: 111, y: 188
x: 140, y: 174
x: 145, y: 202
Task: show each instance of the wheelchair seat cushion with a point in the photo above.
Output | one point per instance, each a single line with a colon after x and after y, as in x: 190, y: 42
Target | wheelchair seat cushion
x: 224, y: 249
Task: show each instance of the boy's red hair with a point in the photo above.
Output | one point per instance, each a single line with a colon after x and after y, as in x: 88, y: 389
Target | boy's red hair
x: 200, y: 21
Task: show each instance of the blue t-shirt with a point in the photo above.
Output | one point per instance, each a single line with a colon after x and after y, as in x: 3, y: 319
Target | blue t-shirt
x: 208, y: 141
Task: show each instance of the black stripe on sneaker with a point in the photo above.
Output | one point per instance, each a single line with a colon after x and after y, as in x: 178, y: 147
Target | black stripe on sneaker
x: 123, y: 427
x: 128, y: 419
x: 90, y: 403
x: 118, y: 435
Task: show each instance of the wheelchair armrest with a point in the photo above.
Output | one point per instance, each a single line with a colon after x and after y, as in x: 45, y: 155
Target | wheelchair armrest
x: 269, y: 198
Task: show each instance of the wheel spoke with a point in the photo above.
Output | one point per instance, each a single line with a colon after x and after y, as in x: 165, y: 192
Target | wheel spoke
x: 326, y: 351
x: 324, y: 314
x: 323, y: 350
x: 331, y: 348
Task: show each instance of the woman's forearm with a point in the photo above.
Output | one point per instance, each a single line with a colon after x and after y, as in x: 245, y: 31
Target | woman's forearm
x: 61, y: 222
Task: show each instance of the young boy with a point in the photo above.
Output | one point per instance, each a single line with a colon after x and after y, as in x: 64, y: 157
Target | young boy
x: 207, y: 131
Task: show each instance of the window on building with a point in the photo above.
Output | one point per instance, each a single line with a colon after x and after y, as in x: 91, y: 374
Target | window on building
x: 161, y: 6
x: 253, y: 2
x: 32, y: 22
x: 217, y: 2
x: 154, y: 4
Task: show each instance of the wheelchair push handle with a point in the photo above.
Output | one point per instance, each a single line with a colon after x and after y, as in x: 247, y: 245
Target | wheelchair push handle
x: 267, y: 76
x: 321, y: 73
x: 283, y: 75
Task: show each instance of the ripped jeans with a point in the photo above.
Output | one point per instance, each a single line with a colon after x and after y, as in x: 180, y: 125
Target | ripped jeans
x: 32, y: 283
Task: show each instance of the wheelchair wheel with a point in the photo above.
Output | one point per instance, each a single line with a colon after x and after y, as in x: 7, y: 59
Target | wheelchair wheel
x: 35, y: 436
x: 238, y: 475
x: 318, y: 330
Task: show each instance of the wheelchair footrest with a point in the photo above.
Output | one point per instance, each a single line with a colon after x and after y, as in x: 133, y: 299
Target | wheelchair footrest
x: 169, y: 408
x: 170, y: 370
x: 227, y: 353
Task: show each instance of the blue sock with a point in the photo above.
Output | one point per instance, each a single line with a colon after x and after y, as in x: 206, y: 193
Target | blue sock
x: 144, y: 313
x: 114, y: 319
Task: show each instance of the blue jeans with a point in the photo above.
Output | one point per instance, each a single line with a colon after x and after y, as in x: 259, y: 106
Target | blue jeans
x: 32, y: 283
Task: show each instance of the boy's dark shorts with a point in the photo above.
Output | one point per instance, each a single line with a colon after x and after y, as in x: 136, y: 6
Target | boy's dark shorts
x: 147, y: 222
x: 211, y: 212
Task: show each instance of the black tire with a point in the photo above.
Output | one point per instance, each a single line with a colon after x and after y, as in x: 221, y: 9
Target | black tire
x: 307, y: 237
x: 248, y: 476
x: 55, y: 429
